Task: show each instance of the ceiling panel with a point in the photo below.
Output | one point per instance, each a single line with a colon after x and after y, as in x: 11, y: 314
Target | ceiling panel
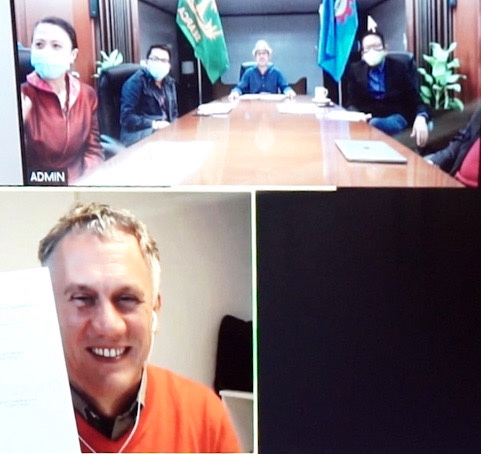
x: 255, y: 7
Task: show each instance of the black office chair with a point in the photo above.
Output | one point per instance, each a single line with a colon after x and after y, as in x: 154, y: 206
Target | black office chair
x: 108, y: 91
x: 233, y: 368
x: 244, y: 66
x: 24, y: 65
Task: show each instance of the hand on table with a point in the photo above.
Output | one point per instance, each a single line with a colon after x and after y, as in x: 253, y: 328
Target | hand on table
x: 159, y: 124
x: 420, y: 130
x: 233, y: 95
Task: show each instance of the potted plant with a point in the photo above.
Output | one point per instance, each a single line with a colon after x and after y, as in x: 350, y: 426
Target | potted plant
x: 441, y: 82
x: 108, y: 60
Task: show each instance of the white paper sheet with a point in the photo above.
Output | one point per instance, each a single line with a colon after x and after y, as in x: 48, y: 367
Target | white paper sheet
x: 347, y: 115
x: 297, y: 108
x: 263, y: 96
x: 36, y: 412
x: 214, y: 108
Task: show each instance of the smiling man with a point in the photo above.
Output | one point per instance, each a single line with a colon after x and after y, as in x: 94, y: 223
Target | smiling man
x: 105, y: 274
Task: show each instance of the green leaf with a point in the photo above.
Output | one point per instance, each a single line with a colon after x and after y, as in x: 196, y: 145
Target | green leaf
x: 456, y: 104
x: 454, y: 87
x: 452, y: 46
x: 426, y: 92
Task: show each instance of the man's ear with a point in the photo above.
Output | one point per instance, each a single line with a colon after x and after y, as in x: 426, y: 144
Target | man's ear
x: 157, y: 303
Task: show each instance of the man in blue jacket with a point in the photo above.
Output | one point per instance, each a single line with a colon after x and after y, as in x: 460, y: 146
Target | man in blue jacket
x: 148, y: 99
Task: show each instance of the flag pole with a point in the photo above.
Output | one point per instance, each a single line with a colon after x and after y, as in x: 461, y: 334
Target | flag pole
x: 199, y: 80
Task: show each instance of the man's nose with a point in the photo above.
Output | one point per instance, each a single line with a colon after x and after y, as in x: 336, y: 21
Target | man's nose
x: 107, y: 319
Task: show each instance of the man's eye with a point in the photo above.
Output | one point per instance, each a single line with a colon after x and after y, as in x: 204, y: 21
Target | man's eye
x: 128, y: 298
x: 82, y: 300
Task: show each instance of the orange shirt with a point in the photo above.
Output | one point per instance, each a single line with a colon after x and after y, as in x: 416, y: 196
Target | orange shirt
x: 180, y: 415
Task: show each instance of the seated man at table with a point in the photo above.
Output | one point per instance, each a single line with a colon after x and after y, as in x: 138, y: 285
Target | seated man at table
x: 148, y: 99
x: 387, y: 89
x: 461, y: 157
x: 105, y: 273
x: 262, y: 78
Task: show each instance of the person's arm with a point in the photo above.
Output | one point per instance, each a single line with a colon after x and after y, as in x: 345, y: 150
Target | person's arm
x: 241, y: 87
x: 283, y: 86
x: 93, y: 154
x: 445, y: 158
x: 420, y: 128
x: 129, y: 100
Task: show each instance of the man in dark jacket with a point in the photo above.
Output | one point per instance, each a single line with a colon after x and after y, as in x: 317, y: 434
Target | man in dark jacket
x: 461, y: 157
x: 387, y: 89
x: 148, y: 99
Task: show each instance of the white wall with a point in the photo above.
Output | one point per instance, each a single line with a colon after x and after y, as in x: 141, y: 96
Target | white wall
x: 205, y: 246
x: 10, y: 156
x: 391, y: 20
x: 157, y: 27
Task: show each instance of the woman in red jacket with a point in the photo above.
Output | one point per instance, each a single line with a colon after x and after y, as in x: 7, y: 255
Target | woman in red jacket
x: 59, y: 112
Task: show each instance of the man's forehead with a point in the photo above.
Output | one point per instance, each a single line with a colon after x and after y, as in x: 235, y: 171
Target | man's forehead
x: 372, y: 39
x: 81, y: 237
x: 158, y: 52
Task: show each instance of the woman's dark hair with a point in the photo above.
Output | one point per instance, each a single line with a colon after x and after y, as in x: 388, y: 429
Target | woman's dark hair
x: 64, y: 25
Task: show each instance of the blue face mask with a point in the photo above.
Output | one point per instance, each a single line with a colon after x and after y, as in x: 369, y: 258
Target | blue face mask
x: 158, y: 70
x: 48, y: 67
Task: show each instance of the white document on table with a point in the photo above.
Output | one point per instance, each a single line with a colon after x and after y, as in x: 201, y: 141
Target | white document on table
x: 346, y: 115
x: 36, y: 411
x: 297, y: 108
x: 262, y: 96
x: 215, y: 108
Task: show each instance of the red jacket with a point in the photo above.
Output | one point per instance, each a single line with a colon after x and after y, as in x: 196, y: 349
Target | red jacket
x: 58, y: 140
x: 179, y: 416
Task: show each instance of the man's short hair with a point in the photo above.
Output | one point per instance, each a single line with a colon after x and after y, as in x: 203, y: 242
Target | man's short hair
x: 103, y: 221
x: 373, y: 33
x: 165, y: 47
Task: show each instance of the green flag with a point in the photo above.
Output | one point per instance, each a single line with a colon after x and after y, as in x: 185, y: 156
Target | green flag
x: 200, y: 22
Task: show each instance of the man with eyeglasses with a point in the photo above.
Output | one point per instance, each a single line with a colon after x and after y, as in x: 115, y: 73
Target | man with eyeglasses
x: 148, y: 100
x: 387, y: 89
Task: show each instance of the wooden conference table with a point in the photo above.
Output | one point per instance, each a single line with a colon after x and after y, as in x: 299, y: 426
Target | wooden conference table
x: 257, y: 145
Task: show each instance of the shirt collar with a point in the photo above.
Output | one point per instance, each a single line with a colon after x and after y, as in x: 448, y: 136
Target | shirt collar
x: 73, y: 85
x: 112, y: 428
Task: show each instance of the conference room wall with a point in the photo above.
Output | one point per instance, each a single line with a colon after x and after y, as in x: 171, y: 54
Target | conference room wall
x: 390, y: 18
x: 157, y: 26
x: 205, y: 248
x: 10, y: 157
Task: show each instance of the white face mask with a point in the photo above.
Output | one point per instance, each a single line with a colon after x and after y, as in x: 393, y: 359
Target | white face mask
x: 158, y: 70
x: 374, y: 57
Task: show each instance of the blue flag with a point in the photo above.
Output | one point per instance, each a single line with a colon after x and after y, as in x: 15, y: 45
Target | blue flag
x: 338, y: 26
